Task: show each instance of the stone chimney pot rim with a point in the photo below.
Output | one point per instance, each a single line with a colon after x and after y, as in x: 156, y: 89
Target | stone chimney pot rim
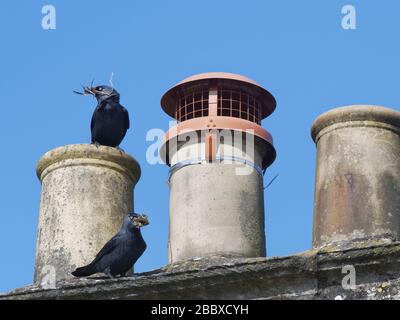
x: 355, y: 113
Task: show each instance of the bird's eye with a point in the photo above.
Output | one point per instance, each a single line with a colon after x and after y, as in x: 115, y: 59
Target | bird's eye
x: 99, y: 88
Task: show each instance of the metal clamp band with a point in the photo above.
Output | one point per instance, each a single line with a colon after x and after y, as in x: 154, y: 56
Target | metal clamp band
x: 195, y: 161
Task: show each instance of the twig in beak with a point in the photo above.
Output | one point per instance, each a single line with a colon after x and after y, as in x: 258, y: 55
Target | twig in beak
x: 86, y: 91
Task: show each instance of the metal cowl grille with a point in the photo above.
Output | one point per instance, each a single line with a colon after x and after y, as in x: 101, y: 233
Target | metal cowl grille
x: 193, y: 105
x: 234, y: 103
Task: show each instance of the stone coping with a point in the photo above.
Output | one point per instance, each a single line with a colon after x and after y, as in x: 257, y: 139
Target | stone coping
x: 314, y: 274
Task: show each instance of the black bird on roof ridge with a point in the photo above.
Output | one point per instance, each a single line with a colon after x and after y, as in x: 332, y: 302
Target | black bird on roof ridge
x: 119, y: 254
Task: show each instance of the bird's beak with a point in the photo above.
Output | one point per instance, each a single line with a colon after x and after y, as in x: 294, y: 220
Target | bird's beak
x: 90, y: 90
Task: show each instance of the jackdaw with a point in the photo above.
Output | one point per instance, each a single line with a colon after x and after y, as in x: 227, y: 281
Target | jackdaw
x: 120, y: 253
x: 110, y: 119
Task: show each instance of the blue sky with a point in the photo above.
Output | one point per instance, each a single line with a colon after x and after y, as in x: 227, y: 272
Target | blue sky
x: 296, y: 49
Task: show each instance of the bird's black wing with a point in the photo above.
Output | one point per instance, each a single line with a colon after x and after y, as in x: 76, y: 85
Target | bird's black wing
x: 108, y: 247
x: 91, y: 267
x: 126, y: 118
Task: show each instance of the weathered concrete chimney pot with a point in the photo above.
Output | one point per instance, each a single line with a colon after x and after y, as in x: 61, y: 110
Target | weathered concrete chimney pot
x: 86, y: 191
x: 357, y: 185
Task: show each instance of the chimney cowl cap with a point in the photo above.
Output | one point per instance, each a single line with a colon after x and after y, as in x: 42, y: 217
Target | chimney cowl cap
x: 268, y: 102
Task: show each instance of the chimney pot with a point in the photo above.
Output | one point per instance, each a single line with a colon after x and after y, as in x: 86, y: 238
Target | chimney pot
x: 357, y: 183
x: 214, y: 210
x: 86, y: 192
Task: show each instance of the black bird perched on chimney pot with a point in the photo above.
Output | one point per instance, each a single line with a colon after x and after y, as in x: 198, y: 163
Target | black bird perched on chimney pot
x: 110, y: 119
x: 120, y: 253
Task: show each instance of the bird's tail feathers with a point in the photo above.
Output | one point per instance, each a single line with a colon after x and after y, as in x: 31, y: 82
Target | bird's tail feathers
x: 85, y: 271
